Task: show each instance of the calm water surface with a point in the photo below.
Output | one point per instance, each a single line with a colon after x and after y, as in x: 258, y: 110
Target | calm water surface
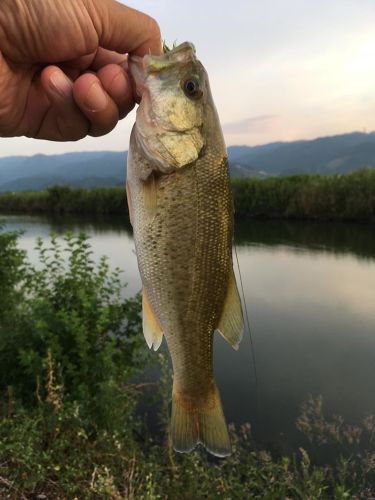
x: 310, y: 294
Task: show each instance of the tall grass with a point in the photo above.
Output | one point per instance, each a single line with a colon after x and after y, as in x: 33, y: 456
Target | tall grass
x: 338, y: 197
x: 66, y: 200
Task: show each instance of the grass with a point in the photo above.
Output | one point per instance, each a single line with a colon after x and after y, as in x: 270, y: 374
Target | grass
x: 315, y: 197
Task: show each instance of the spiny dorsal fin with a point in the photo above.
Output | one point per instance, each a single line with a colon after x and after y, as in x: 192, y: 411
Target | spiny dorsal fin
x: 151, y: 328
x: 231, y: 324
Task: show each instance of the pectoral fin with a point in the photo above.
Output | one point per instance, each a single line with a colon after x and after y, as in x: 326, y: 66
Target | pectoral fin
x: 150, y: 196
x: 231, y: 323
x: 151, y: 328
x: 130, y: 206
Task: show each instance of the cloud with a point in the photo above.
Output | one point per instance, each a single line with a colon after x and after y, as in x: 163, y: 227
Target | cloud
x: 255, y: 124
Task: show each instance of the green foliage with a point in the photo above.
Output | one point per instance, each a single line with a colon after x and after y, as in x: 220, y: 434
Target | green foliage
x: 337, y: 197
x: 55, y: 452
x: 70, y: 346
x: 51, y: 453
x: 11, y: 263
x: 70, y: 313
x: 351, y: 447
x: 65, y: 200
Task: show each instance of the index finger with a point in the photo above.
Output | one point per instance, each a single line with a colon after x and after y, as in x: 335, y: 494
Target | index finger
x: 123, y: 29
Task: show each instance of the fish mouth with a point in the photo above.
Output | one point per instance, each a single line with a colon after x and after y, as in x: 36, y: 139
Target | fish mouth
x: 169, y: 143
x: 141, y: 67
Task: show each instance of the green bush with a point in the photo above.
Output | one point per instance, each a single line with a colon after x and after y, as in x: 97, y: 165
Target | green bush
x: 51, y: 453
x: 11, y: 263
x: 69, y: 313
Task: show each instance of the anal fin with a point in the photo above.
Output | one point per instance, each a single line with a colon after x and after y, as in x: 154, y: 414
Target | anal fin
x: 231, y: 324
x: 151, y: 327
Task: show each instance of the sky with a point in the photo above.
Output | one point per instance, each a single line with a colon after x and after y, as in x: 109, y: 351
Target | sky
x: 280, y: 70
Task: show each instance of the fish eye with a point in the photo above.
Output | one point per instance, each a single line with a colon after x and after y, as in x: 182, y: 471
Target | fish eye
x: 191, y: 88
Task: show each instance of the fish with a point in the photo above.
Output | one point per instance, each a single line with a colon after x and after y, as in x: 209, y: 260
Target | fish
x: 181, y: 208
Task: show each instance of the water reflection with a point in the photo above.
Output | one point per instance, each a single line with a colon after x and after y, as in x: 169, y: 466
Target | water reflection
x: 313, y: 320
x: 310, y: 293
x: 111, y: 237
x: 338, y: 237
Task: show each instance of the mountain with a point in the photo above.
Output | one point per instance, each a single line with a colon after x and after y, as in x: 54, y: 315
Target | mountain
x: 23, y: 173
x: 325, y: 155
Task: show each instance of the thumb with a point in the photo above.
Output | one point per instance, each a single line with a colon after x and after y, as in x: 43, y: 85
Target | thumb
x: 123, y: 29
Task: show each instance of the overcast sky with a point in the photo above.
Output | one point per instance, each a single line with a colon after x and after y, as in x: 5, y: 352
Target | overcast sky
x: 279, y: 69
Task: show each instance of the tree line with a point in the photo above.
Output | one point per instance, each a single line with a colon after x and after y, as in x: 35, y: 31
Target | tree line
x: 315, y: 197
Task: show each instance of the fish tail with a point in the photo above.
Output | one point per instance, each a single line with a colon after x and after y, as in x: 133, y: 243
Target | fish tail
x: 199, y: 422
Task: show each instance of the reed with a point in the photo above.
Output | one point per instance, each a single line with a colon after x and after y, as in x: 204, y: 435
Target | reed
x: 315, y: 197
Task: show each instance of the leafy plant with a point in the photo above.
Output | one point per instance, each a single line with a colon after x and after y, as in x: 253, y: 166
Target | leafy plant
x: 11, y: 263
x: 70, y: 310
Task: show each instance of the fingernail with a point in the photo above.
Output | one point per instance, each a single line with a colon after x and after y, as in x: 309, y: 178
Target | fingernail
x: 96, y: 99
x: 61, y: 84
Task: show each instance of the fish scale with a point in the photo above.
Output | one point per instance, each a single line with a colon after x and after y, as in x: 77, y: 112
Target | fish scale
x: 183, y: 231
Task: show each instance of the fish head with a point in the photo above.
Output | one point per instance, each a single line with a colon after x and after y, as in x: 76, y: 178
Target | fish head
x: 174, y: 90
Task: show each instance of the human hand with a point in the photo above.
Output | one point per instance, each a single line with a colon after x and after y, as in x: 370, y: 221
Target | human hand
x: 63, y: 66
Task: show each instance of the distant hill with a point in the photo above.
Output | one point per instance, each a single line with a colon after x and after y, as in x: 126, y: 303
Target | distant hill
x: 325, y: 155
x: 23, y: 173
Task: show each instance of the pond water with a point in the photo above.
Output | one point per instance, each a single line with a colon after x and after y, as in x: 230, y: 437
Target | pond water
x: 310, y: 294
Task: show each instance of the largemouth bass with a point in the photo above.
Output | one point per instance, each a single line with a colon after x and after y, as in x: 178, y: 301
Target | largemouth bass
x: 180, y: 205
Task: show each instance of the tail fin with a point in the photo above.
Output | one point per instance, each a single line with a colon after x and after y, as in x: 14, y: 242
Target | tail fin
x: 203, y: 422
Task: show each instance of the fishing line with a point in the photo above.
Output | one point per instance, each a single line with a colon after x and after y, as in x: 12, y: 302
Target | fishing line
x: 252, y: 348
